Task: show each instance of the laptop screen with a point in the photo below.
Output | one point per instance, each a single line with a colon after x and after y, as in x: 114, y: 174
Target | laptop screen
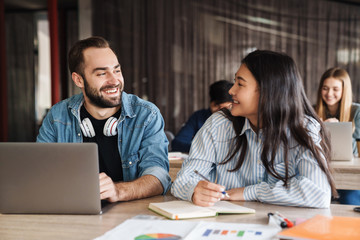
x: 60, y: 178
x: 341, y: 140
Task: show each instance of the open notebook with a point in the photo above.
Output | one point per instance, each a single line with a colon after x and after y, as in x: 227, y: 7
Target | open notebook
x: 184, y: 209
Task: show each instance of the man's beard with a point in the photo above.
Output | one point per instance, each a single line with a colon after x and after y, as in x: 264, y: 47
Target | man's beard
x: 97, y: 99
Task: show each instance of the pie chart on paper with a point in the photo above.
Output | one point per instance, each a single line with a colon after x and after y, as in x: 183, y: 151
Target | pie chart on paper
x: 162, y: 236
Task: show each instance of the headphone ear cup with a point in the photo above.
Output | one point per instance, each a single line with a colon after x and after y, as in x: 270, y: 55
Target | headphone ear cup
x: 110, y: 127
x: 87, y: 128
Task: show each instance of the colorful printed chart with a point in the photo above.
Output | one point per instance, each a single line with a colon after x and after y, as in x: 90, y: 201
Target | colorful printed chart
x: 162, y: 236
x: 233, y: 233
x: 136, y: 229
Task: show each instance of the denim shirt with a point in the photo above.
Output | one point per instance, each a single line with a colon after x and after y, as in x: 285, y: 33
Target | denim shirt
x: 142, y: 143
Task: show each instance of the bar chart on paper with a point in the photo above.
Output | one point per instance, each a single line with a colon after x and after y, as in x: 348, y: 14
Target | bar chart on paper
x: 136, y: 229
x: 231, y: 231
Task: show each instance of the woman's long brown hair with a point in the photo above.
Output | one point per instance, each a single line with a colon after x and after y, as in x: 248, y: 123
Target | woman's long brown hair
x: 282, y: 105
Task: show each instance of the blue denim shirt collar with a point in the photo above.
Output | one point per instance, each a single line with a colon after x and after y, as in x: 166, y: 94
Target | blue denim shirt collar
x: 126, y: 108
x: 75, y: 105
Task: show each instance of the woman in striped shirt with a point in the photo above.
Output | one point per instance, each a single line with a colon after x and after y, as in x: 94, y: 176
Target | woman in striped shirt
x: 269, y: 147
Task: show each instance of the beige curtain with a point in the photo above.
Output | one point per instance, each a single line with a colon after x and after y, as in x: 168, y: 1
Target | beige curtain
x: 21, y: 61
x: 20, y: 76
x: 172, y: 50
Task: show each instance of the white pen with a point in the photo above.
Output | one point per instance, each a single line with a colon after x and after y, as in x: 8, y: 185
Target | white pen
x: 203, y: 177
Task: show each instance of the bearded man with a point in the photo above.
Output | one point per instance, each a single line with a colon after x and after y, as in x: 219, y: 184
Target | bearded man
x: 129, y: 131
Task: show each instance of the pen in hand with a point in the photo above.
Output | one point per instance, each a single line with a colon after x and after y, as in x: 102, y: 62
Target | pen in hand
x: 203, y: 177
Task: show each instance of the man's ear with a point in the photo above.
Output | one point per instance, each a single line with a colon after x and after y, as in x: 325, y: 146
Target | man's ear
x: 78, y: 80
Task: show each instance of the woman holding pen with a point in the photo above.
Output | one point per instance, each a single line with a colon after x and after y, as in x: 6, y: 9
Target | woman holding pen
x: 270, y: 147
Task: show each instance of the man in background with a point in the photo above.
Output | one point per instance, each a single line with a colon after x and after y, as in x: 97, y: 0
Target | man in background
x: 129, y: 131
x: 219, y: 98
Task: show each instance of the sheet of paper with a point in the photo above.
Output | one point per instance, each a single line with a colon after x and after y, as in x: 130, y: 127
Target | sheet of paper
x: 231, y: 231
x: 136, y: 229
x: 177, y: 156
x: 228, y: 207
x: 184, y: 208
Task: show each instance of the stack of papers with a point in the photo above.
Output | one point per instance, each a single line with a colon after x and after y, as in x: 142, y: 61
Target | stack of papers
x: 177, y: 156
x: 135, y: 229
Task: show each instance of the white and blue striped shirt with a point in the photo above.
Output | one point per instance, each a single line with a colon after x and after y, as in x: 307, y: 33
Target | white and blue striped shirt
x: 309, y: 187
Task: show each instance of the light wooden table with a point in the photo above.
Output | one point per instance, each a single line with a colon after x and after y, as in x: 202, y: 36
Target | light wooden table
x: 346, y: 173
x: 17, y: 226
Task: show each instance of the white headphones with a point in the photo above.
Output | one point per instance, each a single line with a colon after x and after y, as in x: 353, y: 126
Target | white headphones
x: 109, y: 127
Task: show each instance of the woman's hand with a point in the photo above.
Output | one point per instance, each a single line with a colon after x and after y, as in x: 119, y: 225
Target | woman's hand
x: 236, y: 194
x: 206, y: 194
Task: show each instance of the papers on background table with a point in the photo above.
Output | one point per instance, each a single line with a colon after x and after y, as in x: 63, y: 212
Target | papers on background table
x: 137, y: 229
x: 177, y: 156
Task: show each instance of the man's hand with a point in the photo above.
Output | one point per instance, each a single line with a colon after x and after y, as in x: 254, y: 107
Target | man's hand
x: 108, y: 188
x: 145, y: 186
x: 206, y: 194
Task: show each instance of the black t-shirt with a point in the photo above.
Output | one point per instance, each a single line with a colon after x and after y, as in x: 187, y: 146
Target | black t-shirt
x: 109, y: 157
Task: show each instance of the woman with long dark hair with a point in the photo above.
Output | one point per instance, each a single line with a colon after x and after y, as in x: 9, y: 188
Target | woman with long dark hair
x: 270, y: 147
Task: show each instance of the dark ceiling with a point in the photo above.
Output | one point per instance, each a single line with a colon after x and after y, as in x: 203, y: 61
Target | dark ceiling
x: 42, y: 4
x: 37, y: 4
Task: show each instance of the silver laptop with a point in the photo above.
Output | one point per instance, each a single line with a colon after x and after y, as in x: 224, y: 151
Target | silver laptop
x: 341, y: 140
x: 49, y: 178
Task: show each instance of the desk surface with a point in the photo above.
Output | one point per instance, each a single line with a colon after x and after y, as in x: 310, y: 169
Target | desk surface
x: 347, y: 166
x: 17, y: 226
x: 347, y: 174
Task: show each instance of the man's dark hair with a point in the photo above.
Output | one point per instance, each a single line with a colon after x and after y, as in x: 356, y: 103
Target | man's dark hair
x: 219, y: 92
x: 76, y: 57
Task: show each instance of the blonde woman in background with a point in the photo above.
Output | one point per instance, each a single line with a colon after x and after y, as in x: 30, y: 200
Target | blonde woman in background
x: 334, y: 104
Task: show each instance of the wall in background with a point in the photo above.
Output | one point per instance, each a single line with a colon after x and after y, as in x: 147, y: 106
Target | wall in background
x: 23, y: 56
x: 171, y: 51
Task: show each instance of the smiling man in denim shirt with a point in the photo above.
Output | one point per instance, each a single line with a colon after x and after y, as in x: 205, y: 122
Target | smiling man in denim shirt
x: 128, y: 130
